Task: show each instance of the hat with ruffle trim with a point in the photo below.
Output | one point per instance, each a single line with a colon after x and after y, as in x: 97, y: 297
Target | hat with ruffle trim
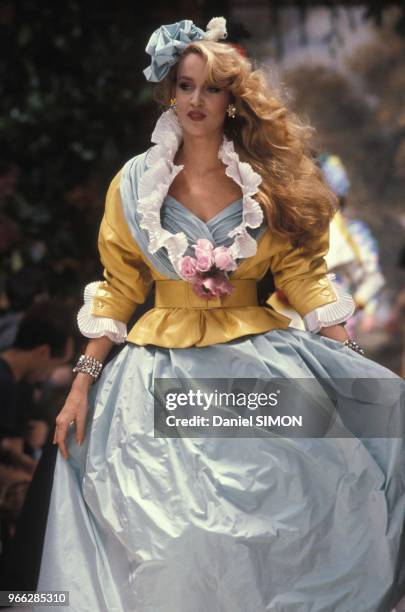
x: 168, y: 42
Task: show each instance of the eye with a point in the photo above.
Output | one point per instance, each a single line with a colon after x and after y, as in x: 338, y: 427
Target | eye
x: 184, y: 85
x: 214, y: 89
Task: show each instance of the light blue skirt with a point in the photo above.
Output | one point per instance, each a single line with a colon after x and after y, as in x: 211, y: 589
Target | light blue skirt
x: 139, y: 523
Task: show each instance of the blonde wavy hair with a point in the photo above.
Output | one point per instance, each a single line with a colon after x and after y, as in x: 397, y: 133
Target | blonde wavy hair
x: 297, y: 203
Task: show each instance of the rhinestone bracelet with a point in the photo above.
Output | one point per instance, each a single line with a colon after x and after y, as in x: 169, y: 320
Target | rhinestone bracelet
x: 89, y: 365
x: 354, y: 346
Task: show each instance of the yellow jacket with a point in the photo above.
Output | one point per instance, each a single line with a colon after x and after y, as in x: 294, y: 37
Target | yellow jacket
x: 129, y: 276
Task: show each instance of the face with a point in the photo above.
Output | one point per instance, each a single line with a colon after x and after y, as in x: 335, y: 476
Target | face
x: 43, y: 364
x: 200, y: 108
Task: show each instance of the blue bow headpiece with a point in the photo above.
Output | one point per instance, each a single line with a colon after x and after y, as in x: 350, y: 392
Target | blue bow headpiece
x: 168, y: 42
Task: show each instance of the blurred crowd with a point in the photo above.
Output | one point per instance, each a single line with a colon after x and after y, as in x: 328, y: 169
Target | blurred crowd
x: 46, y: 252
x: 46, y: 258
x: 354, y: 265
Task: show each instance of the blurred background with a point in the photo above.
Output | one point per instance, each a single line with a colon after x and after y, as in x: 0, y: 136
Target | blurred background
x: 74, y: 106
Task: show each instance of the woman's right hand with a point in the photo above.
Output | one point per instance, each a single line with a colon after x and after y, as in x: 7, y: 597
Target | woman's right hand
x: 74, y: 410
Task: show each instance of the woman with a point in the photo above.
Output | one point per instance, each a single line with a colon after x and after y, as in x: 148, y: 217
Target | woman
x: 144, y: 522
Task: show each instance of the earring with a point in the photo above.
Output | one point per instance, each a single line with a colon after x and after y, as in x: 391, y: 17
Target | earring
x: 231, y: 110
x: 173, y: 104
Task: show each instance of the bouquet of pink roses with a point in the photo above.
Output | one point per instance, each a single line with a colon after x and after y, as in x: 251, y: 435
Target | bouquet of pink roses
x: 207, y: 271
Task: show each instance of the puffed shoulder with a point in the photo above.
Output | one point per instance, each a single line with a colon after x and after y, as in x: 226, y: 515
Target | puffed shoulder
x: 127, y: 278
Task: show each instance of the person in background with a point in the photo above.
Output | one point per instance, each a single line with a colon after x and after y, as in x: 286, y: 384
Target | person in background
x: 352, y: 259
x: 24, y: 288
x: 396, y: 320
x: 43, y: 343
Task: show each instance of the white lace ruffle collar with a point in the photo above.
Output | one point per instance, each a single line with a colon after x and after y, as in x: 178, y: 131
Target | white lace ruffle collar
x: 155, y: 182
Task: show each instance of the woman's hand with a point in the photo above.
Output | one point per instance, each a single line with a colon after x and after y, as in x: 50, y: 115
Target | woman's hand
x: 74, y: 409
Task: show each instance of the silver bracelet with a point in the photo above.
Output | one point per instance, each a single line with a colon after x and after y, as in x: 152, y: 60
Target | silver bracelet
x: 89, y: 365
x: 354, y: 346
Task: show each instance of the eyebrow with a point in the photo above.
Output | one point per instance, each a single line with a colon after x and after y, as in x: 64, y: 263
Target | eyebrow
x: 186, y: 78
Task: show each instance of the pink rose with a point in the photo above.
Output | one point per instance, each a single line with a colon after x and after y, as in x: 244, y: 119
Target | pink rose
x: 198, y: 288
x: 223, y: 259
x: 203, y: 248
x: 204, y: 262
x: 188, y: 267
x: 213, y: 286
x: 218, y: 285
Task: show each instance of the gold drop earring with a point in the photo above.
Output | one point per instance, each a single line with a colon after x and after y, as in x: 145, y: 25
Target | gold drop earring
x: 173, y: 104
x: 231, y: 111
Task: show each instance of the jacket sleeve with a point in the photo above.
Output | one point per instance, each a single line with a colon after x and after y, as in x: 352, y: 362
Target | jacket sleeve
x: 109, y: 304
x: 309, y: 289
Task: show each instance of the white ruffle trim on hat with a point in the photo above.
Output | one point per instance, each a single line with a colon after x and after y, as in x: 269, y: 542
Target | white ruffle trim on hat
x: 331, y: 314
x: 93, y: 326
x: 155, y: 182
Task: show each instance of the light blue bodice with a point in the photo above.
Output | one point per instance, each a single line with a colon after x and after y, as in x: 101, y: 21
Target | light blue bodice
x: 175, y: 217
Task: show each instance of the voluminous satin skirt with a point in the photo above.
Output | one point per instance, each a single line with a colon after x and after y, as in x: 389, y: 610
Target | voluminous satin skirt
x: 139, y: 523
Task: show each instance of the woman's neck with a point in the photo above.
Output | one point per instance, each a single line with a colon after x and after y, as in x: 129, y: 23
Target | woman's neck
x: 200, y: 154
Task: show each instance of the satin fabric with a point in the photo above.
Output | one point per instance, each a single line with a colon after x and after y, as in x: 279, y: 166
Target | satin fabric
x: 139, y: 523
x: 166, y: 44
x: 130, y: 269
x: 144, y: 524
x: 180, y: 294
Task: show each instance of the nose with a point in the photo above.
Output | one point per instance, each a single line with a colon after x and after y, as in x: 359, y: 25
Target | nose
x: 196, y: 99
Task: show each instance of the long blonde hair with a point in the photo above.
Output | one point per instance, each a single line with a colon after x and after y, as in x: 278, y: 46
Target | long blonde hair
x: 296, y: 201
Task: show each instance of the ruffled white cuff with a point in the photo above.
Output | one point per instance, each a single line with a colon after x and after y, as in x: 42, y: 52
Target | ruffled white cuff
x: 331, y: 314
x: 95, y: 327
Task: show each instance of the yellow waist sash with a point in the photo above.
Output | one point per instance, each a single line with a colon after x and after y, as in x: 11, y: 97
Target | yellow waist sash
x: 179, y: 294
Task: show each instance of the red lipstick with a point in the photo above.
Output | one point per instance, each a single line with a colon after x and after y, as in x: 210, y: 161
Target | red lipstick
x: 196, y: 116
